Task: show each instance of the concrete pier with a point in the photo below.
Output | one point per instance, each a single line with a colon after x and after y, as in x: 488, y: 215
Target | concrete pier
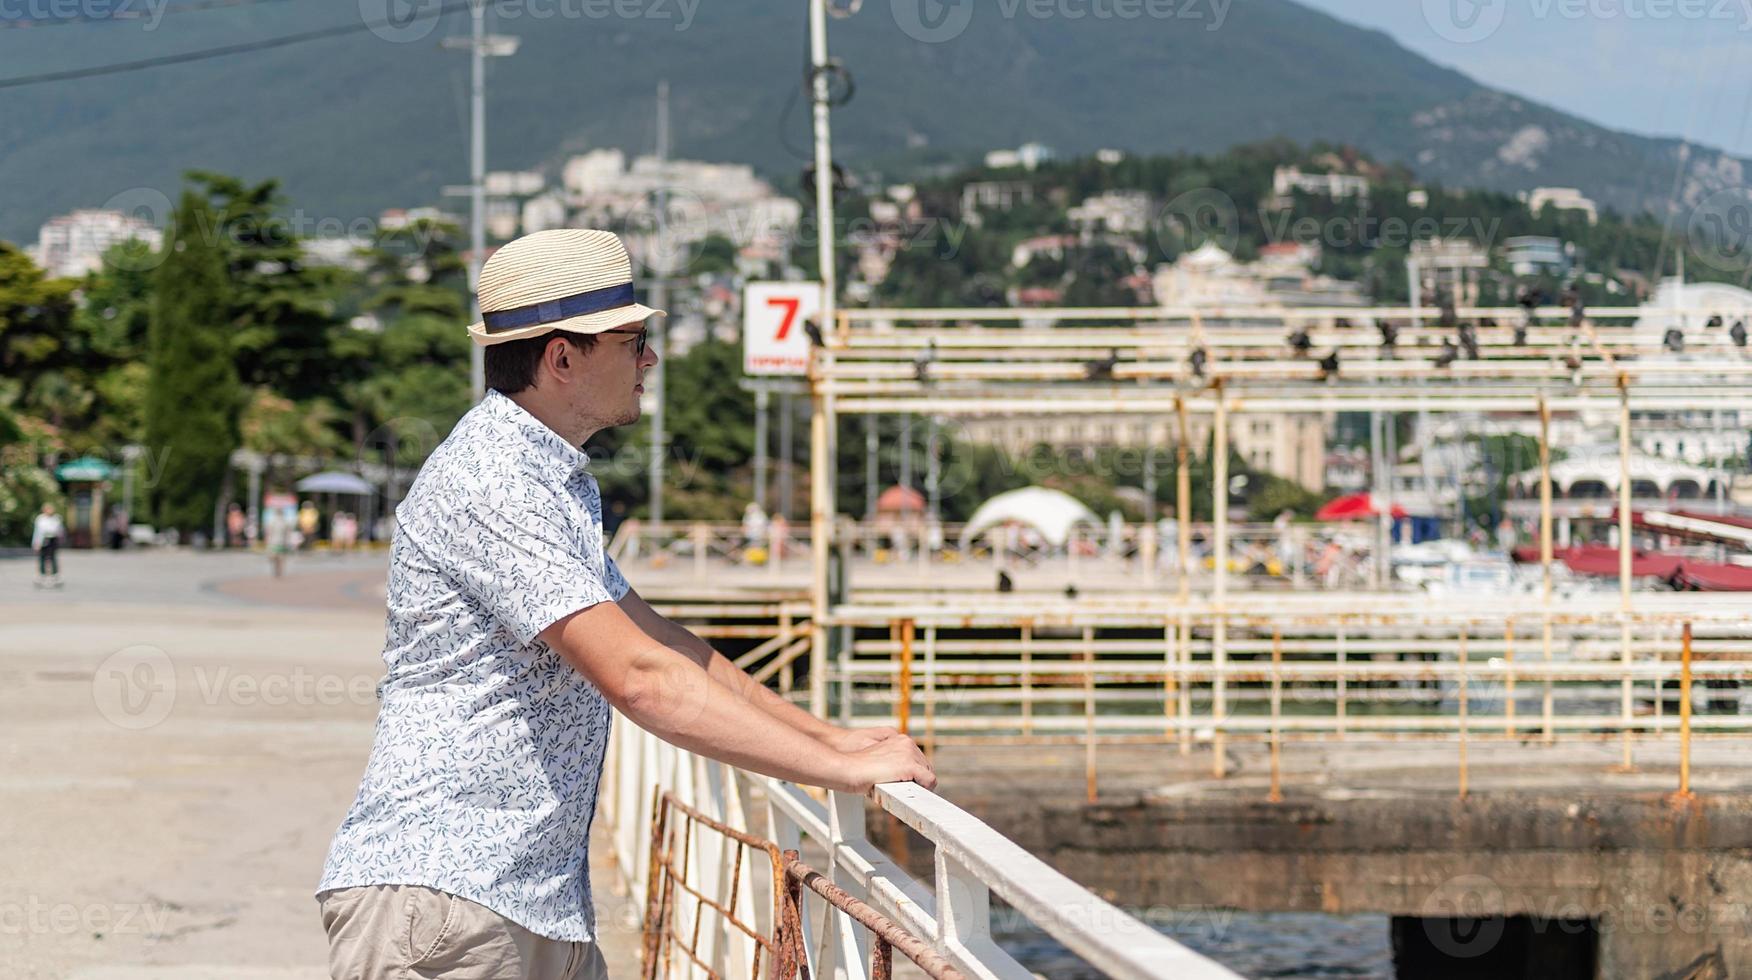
x: 1554, y: 865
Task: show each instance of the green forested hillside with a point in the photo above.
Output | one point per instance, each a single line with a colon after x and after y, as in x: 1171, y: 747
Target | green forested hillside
x: 355, y: 124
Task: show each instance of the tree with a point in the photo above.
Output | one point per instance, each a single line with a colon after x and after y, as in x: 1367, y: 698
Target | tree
x: 24, y: 486
x: 282, y: 308
x: 36, y: 314
x: 194, y: 398
x: 406, y: 383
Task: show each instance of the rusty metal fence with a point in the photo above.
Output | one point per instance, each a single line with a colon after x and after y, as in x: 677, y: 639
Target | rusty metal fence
x: 674, y: 926
x: 712, y: 854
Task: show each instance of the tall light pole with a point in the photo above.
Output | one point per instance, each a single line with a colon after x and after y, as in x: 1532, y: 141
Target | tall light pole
x: 821, y: 455
x: 480, y: 46
x: 660, y: 270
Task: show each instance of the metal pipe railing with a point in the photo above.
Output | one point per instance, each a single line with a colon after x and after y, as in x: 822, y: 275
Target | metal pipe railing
x: 837, y: 921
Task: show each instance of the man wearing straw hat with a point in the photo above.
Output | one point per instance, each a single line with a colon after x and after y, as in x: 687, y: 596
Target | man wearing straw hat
x: 511, y: 634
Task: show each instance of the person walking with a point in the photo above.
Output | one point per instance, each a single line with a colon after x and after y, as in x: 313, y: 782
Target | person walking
x: 308, y: 522
x: 46, y: 533
x: 234, y: 525
x: 511, y: 635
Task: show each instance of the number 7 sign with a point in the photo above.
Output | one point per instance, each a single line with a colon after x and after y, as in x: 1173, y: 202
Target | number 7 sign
x: 773, y: 340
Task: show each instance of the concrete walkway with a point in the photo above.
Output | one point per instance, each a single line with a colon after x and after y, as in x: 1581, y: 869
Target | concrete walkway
x: 181, y: 738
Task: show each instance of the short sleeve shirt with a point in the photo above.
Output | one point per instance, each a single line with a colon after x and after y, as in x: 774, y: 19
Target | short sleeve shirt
x: 488, y: 751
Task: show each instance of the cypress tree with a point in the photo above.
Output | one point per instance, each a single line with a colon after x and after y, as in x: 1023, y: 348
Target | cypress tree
x: 194, y: 398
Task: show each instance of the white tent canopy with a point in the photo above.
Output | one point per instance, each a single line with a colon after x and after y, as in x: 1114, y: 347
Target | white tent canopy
x: 335, y: 481
x: 1701, y: 299
x: 1052, y: 513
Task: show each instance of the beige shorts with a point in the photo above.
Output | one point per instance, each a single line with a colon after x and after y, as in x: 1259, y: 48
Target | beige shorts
x: 397, y: 932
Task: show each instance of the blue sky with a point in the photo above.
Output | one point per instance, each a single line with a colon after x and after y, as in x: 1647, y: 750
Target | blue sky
x: 1659, y: 67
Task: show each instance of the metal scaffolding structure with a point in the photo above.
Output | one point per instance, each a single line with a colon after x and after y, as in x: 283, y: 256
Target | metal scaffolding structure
x: 1173, y: 363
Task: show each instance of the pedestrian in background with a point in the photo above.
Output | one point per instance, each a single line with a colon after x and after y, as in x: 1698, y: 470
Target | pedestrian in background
x: 234, y: 522
x: 308, y: 521
x: 45, y: 539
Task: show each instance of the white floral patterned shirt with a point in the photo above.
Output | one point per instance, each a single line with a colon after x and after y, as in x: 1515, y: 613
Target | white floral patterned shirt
x: 483, y: 775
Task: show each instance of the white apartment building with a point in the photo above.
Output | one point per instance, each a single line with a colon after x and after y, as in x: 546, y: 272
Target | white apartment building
x: 1209, y: 276
x: 593, y: 173
x: 1028, y: 156
x: 1451, y: 265
x: 1563, y: 199
x: 602, y: 189
x: 72, y: 245
x: 1285, y: 181
x: 1292, y: 446
x: 992, y: 195
x: 514, y: 183
x: 1118, y: 212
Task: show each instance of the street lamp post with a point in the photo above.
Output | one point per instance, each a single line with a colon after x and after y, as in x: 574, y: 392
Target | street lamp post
x: 480, y: 45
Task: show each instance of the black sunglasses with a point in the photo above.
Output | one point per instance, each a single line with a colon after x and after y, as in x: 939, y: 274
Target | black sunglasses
x: 641, y: 338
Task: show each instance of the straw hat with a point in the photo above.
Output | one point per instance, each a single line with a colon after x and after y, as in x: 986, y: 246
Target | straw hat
x: 564, y: 279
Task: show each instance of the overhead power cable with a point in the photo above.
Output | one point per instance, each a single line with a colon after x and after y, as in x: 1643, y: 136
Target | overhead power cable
x: 127, y: 17
x: 204, y: 54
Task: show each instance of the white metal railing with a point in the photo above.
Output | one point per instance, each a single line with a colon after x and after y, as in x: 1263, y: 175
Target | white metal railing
x: 953, y: 913
x: 1304, y: 555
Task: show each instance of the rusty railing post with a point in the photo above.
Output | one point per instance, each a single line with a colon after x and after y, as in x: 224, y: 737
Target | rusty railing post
x: 654, y: 910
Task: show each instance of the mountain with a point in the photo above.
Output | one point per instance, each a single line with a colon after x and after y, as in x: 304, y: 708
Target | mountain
x: 361, y: 122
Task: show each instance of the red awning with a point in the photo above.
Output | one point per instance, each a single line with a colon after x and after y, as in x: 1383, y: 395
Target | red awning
x: 900, y: 500
x: 1354, y: 507
x: 1684, y: 573
x: 1601, y: 560
x: 1714, y: 577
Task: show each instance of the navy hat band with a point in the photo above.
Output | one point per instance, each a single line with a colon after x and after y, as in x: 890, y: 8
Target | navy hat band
x: 564, y: 308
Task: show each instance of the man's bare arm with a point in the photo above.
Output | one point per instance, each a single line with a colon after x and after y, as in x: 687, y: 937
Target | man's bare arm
x: 741, y: 684
x: 669, y: 694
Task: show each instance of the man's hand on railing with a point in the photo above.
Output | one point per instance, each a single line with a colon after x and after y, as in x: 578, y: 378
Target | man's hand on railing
x: 856, y: 739
x: 895, y: 759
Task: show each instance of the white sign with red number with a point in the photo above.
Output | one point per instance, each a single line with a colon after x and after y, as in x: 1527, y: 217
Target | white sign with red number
x: 773, y: 313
